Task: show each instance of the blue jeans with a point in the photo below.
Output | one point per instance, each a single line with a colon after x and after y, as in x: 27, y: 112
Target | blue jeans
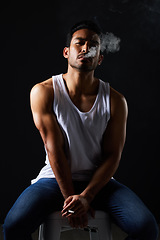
x: 44, y: 197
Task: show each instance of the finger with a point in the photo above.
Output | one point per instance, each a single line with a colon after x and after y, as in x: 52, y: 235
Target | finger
x: 81, y: 222
x: 68, y: 207
x: 74, y: 205
x: 77, y: 222
x: 68, y: 213
x: 75, y: 212
x: 69, y: 204
x: 67, y: 201
x: 70, y: 220
x: 85, y: 220
x: 92, y: 212
x: 79, y: 212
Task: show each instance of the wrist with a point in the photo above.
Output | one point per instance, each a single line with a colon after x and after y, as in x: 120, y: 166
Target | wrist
x: 68, y: 194
x: 88, y: 196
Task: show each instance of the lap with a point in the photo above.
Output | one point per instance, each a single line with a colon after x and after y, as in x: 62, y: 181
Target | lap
x: 44, y: 197
x: 125, y: 207
x: 35, y: 203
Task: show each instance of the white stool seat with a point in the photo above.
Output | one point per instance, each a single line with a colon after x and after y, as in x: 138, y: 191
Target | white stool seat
x: 57, y: 228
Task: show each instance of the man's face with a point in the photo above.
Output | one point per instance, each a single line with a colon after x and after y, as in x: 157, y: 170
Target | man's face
x: 82, y: 42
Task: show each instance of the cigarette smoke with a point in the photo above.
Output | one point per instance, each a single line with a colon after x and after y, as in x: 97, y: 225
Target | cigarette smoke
x: 109, y: 43
x: 92, y: 52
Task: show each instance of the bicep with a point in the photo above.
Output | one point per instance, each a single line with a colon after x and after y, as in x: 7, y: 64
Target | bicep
x: 45, y: 120
x: 50, y: 132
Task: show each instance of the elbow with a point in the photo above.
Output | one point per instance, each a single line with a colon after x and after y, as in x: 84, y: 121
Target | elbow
x: 112, y: 162
x: 114, y: 157
x: 115, y: 161
x: 118, y: 158
x: 117, y: 154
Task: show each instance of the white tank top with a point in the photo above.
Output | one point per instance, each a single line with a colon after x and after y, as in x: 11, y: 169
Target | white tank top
x: 83, y: 131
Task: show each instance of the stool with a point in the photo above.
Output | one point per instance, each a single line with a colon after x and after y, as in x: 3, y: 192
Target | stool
x: 57, y: 228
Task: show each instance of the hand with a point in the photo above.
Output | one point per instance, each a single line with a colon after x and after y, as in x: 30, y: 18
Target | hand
x: 78, y: 222
x: 78, y: 204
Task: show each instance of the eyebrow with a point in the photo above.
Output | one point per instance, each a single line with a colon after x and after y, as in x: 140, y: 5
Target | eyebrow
x: 85, y: 39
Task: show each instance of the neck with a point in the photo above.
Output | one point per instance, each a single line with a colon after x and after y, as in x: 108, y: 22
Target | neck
x: 79, y: 82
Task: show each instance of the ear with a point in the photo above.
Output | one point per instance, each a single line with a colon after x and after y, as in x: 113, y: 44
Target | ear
x: 100, y: 59
x: 66, y: 52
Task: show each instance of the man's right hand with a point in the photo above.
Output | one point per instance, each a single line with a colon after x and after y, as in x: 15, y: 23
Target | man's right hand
x: 76, y: 203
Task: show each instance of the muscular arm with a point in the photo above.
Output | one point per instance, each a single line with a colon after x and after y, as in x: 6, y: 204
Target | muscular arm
x: 45, y: 121
x: 112, y: 147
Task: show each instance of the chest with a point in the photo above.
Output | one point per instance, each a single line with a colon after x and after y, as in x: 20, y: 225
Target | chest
x: 84, y: 103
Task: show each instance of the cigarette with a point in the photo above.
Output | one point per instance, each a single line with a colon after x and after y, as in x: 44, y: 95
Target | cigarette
x: 70, y: 211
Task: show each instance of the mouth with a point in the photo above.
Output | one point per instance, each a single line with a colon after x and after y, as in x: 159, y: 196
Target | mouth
x: 82, y: 57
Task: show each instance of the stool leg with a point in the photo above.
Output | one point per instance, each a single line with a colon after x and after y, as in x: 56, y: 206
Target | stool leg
x: 40, y: 237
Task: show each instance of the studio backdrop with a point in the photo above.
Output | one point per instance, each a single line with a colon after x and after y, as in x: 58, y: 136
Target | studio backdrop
x: 33, y: 38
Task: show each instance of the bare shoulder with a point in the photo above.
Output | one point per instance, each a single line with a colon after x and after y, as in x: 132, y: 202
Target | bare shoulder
x: 42, y: 88
x: 118, y: 102
x: 41, y: 94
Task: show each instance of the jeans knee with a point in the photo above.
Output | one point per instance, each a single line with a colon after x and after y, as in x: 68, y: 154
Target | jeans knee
x: 149, y: 229
x: 144, y: 228
x: 10, y: 228
x: 154, y: 229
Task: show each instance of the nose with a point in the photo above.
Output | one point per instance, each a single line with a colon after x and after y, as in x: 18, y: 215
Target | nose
x: 85, y: 48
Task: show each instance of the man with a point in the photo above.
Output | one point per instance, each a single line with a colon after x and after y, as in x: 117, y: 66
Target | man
x: 82, y: 122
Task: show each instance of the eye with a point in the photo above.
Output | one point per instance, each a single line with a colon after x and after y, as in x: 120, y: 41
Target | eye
x: 80, y: 43
x: 94, y: 44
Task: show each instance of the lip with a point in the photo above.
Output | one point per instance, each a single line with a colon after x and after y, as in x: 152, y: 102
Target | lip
x: 82, y: 57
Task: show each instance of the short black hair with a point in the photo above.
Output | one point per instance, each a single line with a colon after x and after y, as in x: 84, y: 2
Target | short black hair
x: 82, y: 25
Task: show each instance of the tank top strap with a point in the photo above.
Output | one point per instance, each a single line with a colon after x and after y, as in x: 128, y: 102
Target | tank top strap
x: 105, y: 97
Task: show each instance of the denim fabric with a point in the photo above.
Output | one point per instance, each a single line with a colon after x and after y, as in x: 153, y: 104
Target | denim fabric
x: 44, y: 197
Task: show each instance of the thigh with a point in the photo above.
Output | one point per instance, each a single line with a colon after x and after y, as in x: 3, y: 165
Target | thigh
x: 34, y: 204
x: 125, y: 208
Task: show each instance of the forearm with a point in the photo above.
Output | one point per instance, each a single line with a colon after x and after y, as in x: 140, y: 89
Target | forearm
x: 60, y: 167
x: 100, y: 178
x: 54, y: 144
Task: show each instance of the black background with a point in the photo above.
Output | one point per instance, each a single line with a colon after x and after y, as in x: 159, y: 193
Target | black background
x: 32, y: 41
